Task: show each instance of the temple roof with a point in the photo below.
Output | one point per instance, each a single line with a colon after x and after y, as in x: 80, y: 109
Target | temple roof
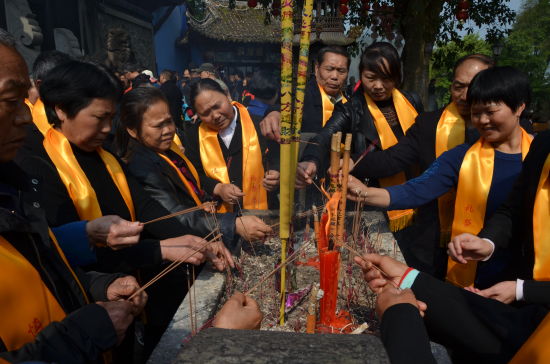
x: 246, y: 25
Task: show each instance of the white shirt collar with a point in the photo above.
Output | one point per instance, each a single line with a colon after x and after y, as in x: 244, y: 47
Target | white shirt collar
x: 227, y: 133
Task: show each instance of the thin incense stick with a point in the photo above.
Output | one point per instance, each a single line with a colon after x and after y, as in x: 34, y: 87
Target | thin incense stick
x: 182, y: 212
x: 173, y: 266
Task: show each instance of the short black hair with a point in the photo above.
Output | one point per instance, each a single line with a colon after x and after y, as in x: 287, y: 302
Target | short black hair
x: 264, y: 85
x: 205, y: 84
x: 482, y: 58
x: 141, y: 79
x: 133, y: 105
x: 500, y: 84
x: 373, y: 58
x: 72, y: 86
x: 331, y: 49
x: 47, y: 61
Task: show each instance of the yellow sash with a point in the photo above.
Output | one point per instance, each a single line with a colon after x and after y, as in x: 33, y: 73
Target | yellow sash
x: 328, y: 106
x: 27, y: 306
x: 450, y: 132
x: 541, y: 231
x: 29, y: 104
x: 39, y: 117
x: 406, y: 113
x: 253, y: 170
x: 536, y: 349
x: 73, y: 177
x: 474, y: 183
x: 176, y: 149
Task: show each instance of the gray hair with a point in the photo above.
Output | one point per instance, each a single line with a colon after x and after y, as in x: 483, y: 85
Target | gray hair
x: 6, y: 38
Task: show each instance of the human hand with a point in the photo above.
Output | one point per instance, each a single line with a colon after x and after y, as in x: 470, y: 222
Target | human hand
x: 122, y: 288
x: 270, y: 126
x: 239, y: 312
x: 391, y: 296
x: 251, y: 228
x: 228, y: 192
x: 357, y: 191
x: 188, y: 248
x: 304, y: 174
x: 504, y: 292
x: 113, y: 231
x: 466, y: 247
x: 121, y: 315
x: 271, y: 180
x: 218, y: 254
x: 392, y: 269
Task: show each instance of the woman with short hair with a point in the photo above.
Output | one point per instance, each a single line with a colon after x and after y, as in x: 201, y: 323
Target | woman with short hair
x: 482, y: 173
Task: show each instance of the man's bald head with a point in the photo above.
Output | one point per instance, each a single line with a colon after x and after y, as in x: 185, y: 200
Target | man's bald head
x: 14, y: 113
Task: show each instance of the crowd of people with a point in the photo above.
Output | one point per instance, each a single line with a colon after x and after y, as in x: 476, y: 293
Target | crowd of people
x: 91, y: 158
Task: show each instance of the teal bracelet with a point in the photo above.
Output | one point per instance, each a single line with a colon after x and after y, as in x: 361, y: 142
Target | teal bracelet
x: 409, y: 279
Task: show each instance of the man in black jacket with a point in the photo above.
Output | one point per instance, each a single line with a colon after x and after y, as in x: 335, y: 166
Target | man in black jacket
x: 173, y: 94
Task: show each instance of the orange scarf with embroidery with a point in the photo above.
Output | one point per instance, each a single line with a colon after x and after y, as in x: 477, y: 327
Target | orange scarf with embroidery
x: 474, y: 183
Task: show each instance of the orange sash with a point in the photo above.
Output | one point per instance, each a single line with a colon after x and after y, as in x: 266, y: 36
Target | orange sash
x: 176, y: 149
x: 541, y: 231
x: 328, y: 106
x: 450, y: 132
x: 39, y: 117
x: 253, y: 170
x: 29, y: 104
x: 474, y: 183
x: 406, y: 113
x: 27, y: 306
x: 536, y: 349
x: 73, y: 177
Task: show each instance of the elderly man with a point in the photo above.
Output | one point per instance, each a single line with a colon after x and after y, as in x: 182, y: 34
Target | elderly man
x: 45, y: 305
x: 322, y: 93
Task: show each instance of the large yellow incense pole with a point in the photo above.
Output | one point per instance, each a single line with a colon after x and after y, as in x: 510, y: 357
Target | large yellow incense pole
x: 301, y: 79
x: 285, y: 209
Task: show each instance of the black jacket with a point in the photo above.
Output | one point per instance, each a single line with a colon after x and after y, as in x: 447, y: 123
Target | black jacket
x: 351, y: 117
x: 512, y: 224
x: 475, y: 328
x: 60, y: 209
x: 405, y: 343
x: 312, y: 119
x: 87, y: 330
x: 163, y: 184
x: 174, y: 97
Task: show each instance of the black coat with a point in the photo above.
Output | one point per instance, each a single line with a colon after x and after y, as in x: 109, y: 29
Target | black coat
x: 175, y: 103
x: 351, y: 117
x: 60, y: 209
x: 163, y: 184
x: 312, y: 119
x: 87, y: 330
x: 512, y: 224
x: 475, y: 328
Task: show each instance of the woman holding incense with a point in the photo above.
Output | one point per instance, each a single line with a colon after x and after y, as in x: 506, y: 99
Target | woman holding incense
x: 483, y: 173
x: 378, y: 117
x: 81, y: 181
x: 145, y: 139
x: 234, y: 162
